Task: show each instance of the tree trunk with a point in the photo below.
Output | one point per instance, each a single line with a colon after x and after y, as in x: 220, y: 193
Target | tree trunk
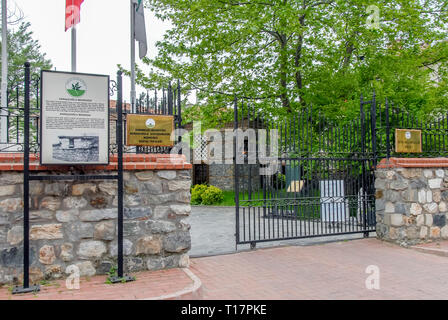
x: 297, y: 58
x: 299, y: 79
x: 284, y: 73
x: 349, y: 48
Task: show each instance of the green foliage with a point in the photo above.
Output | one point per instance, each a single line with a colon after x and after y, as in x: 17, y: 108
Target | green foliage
x: 23, y: 48
x: 229, y: 199
x: 213, y: 195
x: 197, y: 192
x: 206, y: 195
x: 280, y: 181
x: 282, y: 55
x: 113, y: 272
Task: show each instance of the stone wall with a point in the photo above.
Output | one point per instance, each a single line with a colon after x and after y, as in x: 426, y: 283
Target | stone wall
x: 221, y: 176
x: 73, y: 223
x: 411, y: 203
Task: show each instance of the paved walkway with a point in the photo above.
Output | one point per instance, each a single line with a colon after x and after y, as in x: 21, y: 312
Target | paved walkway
x: 159, y: 285
x: 437, y: 248
x: 328, y: 271
x: 213, y: 233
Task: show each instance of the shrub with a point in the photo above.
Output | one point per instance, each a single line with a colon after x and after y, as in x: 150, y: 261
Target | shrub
x: 197, y: 192
x: 212, y: 195
x: 280, y: 181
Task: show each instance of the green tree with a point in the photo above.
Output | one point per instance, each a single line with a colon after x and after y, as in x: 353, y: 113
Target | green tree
x: 22, y: 48
x: 284, y: 54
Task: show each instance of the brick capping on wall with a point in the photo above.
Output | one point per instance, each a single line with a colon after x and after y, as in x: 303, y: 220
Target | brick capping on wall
x: 131, y: 162
x: 413, y: 163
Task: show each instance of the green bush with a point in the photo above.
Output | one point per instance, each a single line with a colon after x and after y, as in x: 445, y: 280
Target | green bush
x: 197, y: 192
x: 206, y: 195
x: 212, y: 195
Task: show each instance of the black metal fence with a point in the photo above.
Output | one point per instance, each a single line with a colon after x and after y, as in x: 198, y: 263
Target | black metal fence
x: 169, y: 103
x: 13, y: 116
x: 166, y: 101
x: 323, y: 183
x: 434, y: 129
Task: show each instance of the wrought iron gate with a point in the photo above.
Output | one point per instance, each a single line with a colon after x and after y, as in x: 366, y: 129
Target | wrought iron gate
x: 323, y: 184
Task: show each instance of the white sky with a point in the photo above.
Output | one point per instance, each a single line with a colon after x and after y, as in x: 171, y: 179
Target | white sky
x: 103, y: 35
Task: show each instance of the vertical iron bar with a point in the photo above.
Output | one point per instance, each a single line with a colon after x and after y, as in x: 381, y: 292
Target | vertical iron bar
x: 170, y: 99
x: 387, y: 130
x: 119, y: 136
x: 373, y: 127
x: 156, y: 111
x: 235, y: 168
x: 7, y: 118
x: 363, y: 161
x: 26, y: 183
x: 179, y: 108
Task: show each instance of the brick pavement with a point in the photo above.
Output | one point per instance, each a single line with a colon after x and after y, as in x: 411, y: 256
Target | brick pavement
x: 327, y: 271
x: 439, y: 248
x: 165, y: 284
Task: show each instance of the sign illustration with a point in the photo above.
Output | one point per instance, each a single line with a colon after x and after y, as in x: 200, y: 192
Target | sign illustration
x: 76, y: 87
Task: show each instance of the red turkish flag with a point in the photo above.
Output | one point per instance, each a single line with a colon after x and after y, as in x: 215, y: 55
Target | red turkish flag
x: 72, y: 13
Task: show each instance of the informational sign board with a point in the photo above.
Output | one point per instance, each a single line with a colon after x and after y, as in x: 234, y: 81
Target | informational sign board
x: 408, y: 141
x: 149, y: 130
x: 334, y: 207
x: 75, y: 118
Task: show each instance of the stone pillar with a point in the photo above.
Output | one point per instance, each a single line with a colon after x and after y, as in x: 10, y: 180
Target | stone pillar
x: 412, y: 200
x: 75, y: 223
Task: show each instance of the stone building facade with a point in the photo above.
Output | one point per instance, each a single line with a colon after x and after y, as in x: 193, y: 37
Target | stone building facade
x: 221, y: 175
x: 412, y: 200
x: 75, y: 223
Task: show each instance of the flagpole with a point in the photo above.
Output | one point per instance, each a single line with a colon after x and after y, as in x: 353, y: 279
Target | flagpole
x: 4, y: 85
x: 133, y: 91
x: 74, y: 48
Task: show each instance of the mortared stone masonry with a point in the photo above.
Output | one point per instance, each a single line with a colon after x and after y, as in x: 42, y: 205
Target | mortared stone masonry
x: 75, y: 223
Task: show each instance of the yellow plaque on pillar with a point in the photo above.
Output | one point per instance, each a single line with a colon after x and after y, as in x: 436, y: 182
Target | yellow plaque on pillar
x: 149, y: 130
x: 408, y: 141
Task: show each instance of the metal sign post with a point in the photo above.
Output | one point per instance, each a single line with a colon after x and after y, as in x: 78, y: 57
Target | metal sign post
x: 26, y: 192
x: 120, y: 278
